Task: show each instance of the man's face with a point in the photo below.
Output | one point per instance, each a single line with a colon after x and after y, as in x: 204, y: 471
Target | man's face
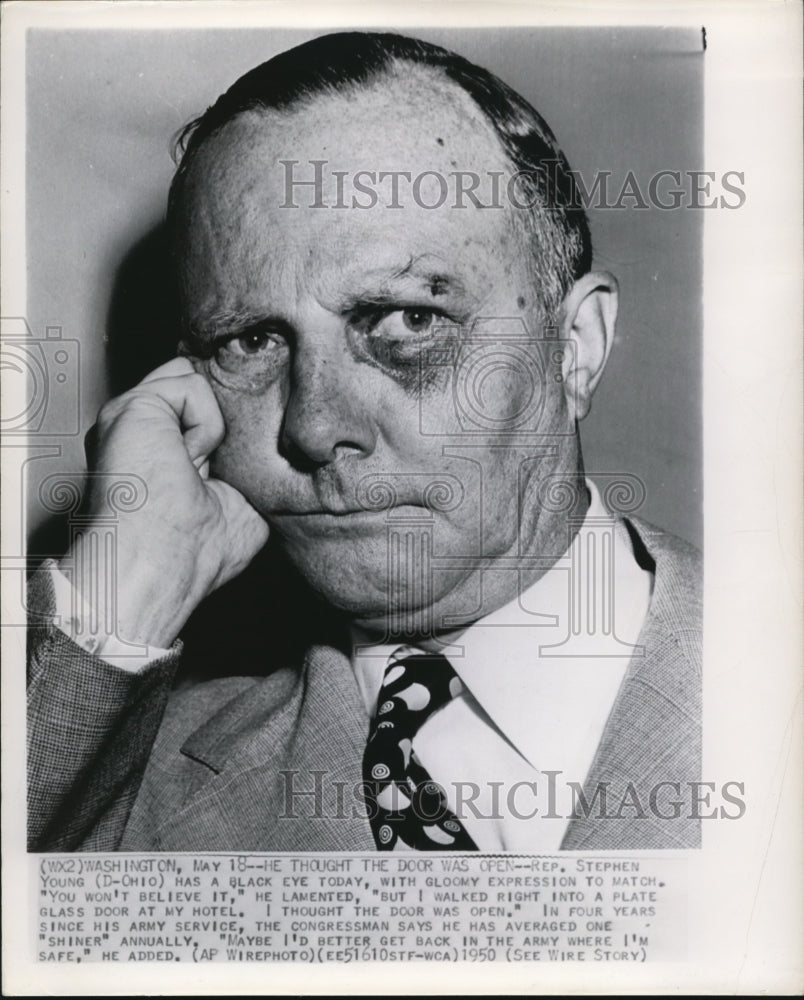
x: 359, y: 356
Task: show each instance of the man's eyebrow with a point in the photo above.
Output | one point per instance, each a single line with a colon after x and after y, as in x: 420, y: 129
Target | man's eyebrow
x: 237, y: 323
x: 420, y: 271
x: 376, y: 286
x: 437, y: 280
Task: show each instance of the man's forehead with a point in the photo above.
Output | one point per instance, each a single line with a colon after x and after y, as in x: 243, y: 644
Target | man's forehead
x: 283, y: 200
x: 414, y: 122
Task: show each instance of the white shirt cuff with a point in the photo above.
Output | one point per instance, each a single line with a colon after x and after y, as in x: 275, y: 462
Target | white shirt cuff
x: 72, y: 617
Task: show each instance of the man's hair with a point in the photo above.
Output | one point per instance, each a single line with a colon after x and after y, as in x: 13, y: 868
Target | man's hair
x: 555, y: 222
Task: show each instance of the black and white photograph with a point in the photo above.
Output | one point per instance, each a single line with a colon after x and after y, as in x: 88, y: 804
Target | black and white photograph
x: 376, y: 496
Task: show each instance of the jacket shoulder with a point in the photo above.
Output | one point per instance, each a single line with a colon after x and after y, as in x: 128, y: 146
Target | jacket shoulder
x: 675, y: 560
x: 677, y: 601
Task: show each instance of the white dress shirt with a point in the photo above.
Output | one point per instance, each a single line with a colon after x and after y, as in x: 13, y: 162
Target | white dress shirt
x: 533, y: 702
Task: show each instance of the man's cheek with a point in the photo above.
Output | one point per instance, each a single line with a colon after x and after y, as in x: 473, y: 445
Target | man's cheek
x: 436, y: 415
x: 247, y: 458
x: 496, y: 391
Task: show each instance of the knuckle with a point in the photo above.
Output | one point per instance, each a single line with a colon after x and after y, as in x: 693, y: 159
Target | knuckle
x: 202, y: 388
x: 108, y: 412
x: 118, y: 407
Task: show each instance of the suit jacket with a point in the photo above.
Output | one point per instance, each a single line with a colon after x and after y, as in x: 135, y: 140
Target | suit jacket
x: 269, y: 763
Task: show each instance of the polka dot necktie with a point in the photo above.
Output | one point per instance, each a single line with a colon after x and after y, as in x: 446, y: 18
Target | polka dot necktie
x: 405, y: 804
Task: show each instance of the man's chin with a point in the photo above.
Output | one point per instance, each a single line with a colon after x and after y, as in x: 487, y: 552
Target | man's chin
x: 363, y: 584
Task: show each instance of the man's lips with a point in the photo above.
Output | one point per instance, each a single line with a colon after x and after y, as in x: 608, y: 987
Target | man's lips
x: 348, y: 519
x: 374, y: 497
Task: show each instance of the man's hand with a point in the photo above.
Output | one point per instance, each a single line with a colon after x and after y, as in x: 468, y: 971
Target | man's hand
x: 193, y: 533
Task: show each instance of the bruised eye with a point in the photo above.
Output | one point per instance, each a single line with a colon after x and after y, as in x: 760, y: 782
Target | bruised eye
x: 397, y: 324
x: 398, y: 339
x: 417, y: 320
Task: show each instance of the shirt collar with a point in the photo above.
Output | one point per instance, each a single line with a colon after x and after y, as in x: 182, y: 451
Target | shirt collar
x: 497, y: 657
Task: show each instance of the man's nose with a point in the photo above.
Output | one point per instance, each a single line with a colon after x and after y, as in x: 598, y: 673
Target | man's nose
x: 327, y: 411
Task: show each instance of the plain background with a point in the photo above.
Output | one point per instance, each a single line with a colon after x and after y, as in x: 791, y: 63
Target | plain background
x: 102, y: 107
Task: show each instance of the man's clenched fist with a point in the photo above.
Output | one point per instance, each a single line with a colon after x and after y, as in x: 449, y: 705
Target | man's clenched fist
x: 193, y: 533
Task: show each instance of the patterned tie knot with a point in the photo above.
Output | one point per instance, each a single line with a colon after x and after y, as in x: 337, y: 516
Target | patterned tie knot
x: 408, y: 803
x: 414, y: 686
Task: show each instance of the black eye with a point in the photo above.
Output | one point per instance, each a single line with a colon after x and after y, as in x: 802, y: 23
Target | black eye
x: 396, y: 324
x: 417, y: 320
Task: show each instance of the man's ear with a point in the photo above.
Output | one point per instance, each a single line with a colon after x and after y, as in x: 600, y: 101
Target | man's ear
x: 587, y: 319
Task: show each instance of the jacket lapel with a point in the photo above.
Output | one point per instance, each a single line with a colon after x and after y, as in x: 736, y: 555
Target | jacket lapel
x: 653, y: 732
x: 285, y: 758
